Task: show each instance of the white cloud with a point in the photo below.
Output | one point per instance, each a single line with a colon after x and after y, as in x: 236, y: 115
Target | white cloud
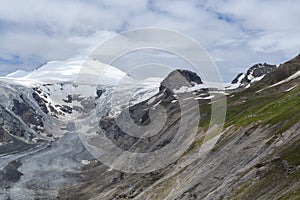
x: 235, y: 33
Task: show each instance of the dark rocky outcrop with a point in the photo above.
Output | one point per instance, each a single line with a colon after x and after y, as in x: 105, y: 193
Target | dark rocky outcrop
x: 5, y: 138
x: 99, y: 93
x: 260, y: 69
x: 28, y: 115
x: 236, y: 79
x: 41, y: 102
x: 12, y: 126
x: 69, y: 99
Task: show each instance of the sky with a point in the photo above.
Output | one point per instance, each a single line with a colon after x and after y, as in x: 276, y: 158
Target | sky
x: 235, y: 33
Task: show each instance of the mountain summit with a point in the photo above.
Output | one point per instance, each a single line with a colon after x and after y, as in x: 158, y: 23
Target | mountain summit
x: 180, y: 78
x: 72, y: 70
x: 253, y: 74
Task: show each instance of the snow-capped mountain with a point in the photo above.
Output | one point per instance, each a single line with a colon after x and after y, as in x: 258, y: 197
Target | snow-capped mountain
x: 49, y: 97
x: 88, y: 71
x: 253, y: 74
x: 43, y: 150
x: 61, y: 90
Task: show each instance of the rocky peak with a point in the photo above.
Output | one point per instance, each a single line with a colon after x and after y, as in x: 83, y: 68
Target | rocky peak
x: 253, y: 74
x: 259, y: 70
x: 179, y: 78
x: 237, y: 78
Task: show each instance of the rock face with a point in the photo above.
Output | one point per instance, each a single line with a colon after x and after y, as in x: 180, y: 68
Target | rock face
x: 5, y: 138
x: 12, y: 126
x: 28, y: 115
x: 139, y: 113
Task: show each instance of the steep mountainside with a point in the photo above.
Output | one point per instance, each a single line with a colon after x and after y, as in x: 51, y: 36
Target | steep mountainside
x: 50, y: 128
x: 284, y: 71
x: 256, y: 157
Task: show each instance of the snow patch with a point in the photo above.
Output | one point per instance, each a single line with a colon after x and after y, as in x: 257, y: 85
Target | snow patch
x: 205, y: 98
x: 85, y: 162
x: 296, y: 75
x: 290, y: 89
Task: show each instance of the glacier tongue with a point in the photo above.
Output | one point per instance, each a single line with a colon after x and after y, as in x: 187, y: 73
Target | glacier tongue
x: 115, y: 99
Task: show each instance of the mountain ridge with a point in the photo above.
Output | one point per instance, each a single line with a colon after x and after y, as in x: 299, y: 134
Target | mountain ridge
x: 43, y: 152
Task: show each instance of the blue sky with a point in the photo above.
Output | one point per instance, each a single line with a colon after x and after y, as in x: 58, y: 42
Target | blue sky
x: 236, y: 34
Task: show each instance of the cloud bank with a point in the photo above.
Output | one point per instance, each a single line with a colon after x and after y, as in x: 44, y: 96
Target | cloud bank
x: 236, y: 34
